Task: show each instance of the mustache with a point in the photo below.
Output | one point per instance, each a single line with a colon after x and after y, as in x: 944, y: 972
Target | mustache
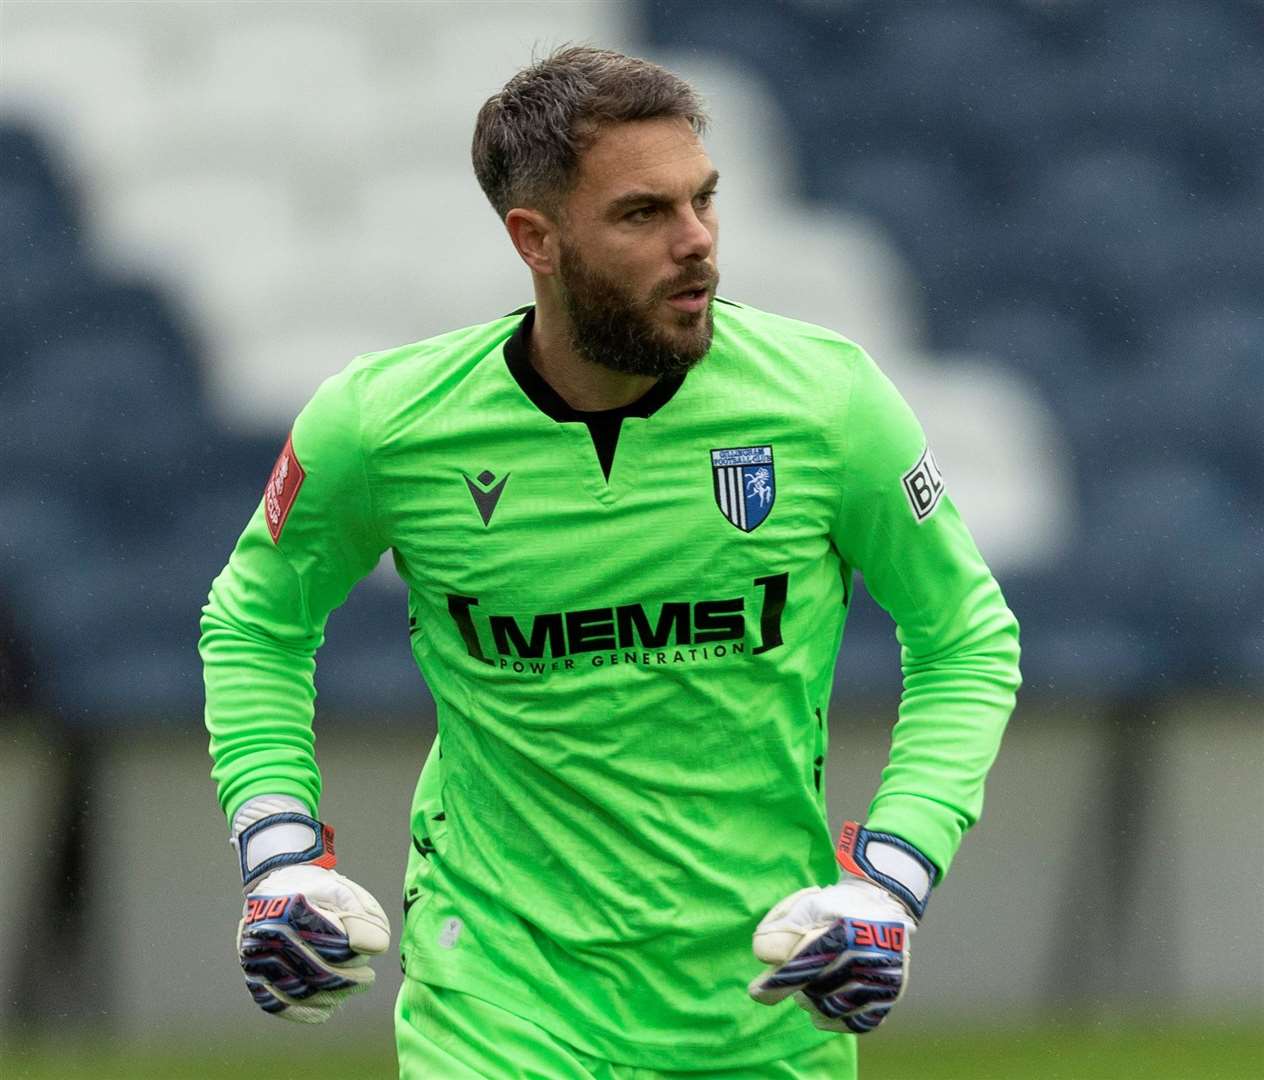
x: 702, y: 278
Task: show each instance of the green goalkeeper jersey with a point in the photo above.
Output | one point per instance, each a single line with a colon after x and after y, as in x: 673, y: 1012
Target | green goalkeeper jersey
x: 631, y: 671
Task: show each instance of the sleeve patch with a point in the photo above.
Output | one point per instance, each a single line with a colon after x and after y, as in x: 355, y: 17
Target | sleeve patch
x: 924, y: 484
x: 278, y: 497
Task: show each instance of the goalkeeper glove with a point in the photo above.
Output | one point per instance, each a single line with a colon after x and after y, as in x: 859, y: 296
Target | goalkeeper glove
x: 843, y: 950
x: 306, y: 931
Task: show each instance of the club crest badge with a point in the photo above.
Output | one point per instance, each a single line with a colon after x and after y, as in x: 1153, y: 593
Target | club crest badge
x: 745, y: 485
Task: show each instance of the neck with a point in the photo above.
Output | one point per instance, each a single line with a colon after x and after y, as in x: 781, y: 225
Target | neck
x: 583, y: 385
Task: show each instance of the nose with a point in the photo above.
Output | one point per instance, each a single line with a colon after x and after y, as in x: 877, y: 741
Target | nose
x: 693, y: 239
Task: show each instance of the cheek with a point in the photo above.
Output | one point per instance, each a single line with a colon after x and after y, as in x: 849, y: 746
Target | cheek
x: 641, y: 270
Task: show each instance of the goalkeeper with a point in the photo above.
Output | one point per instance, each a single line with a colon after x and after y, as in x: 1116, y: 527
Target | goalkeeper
x: 629, y: 517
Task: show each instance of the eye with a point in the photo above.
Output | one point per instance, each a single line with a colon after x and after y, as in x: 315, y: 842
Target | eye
x: 642, y: 213
x: 704, y: 200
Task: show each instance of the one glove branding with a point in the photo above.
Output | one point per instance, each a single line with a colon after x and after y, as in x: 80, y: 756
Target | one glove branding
x: 319, y: 853
x: 908, y: 874
x: 846, y: 971
x: 265, y: 907
x: 305, y: 940
x: 842, y: 950
x: 306, y: 932
x: 870, y: 935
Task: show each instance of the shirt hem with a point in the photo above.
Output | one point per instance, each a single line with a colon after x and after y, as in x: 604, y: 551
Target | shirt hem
x: 602, y: 1044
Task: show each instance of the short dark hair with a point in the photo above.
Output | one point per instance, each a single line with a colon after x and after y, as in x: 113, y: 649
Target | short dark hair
x: 529, y: 137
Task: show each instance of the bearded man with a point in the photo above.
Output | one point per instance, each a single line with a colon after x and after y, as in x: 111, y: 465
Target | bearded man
x: 628, y: 516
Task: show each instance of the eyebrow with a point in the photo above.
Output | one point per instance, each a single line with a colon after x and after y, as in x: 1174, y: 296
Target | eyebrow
x: 639, y: 198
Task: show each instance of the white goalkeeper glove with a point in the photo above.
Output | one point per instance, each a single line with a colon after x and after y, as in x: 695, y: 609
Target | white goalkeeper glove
x: 843, y: 950
x: 306, y: 931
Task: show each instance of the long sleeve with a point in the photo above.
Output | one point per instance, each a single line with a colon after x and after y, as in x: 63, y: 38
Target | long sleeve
x: 311, y: 539
x: 959, y: 642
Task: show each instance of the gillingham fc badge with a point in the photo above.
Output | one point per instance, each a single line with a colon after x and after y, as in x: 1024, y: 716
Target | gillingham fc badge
x: 745, y: 485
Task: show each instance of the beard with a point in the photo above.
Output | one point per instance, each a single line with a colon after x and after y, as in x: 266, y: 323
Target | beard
x: 611, y: 327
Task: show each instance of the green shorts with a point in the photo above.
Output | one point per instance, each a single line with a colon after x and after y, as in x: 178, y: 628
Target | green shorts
x: 447, y: 1035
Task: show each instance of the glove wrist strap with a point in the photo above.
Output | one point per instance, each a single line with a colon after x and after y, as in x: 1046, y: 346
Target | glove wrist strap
x: 257, y: 850
x: 888, y: 862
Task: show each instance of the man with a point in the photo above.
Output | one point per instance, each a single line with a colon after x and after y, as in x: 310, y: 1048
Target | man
x: 629, y: 518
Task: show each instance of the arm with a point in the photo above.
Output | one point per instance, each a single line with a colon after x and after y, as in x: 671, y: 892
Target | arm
x: 305, y: 929
x: 959, y: 641
x: 843, y: 949
x: 311, y: 539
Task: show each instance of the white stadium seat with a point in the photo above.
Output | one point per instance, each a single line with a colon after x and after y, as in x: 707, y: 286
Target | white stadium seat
x: 181, y: 224
x: 1011, y: 476
x: 479, y: 42
x: 73, y: 66
x: 86, y: 85
x: 821, y: 267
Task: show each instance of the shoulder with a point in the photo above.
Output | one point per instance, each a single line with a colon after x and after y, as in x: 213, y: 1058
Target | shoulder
x: 823, y: 381
x: 386, y: 397
x: 412, y: 378
x: 808, y: 350
x: 789, y: 358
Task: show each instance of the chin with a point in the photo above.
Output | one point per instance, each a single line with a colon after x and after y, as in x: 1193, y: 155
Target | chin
x: 696, y: 344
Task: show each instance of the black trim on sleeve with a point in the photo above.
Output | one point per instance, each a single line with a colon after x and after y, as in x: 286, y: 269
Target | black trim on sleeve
x: 603, y: 424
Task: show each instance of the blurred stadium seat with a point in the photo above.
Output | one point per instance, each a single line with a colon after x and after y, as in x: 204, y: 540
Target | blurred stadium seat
x: 110, y: 68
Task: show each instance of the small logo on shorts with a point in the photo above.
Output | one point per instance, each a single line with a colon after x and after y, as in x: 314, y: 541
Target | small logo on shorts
x: 450, y: 933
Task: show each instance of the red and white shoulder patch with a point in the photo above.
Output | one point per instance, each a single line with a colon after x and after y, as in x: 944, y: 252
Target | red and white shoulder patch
x: 278, y: 497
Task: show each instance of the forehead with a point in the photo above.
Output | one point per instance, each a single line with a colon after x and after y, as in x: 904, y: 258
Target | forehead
x: 642, y: 155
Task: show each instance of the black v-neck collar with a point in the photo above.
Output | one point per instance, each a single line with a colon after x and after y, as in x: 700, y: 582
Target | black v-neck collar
x: 603, y: 424
x: 554, y: 406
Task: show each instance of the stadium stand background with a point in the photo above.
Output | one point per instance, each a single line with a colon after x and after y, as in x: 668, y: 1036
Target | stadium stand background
x: 1044, y: 219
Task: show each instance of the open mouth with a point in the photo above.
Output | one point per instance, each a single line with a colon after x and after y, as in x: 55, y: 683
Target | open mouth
x: 690, y: 299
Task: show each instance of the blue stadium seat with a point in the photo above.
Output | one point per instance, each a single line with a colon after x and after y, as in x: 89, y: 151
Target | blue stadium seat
x: 771, y: 39
x: 924, y: 202
x: 115, y: 630
x: 113, y: 619
x: 42, y: 528
x: 869, y: 662
x: 26, y: 163
x: 1207, y: 382
x: 104, y: 418
x: 1084, y: 248
x: 1048, y: 344
x: 1074, y: 646
x: 365, y: 670
x: 947, y: 58
x: 125, y: 311
x: 1142, y: 46
x: 1217, y: 256
x: 1170, y: 549
x: 40, y: 234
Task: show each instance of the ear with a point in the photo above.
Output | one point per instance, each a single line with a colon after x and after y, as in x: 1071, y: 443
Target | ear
x: 534, y: 235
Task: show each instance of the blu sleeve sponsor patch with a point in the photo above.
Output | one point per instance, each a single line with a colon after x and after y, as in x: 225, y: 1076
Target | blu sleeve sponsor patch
x: 924, y: 484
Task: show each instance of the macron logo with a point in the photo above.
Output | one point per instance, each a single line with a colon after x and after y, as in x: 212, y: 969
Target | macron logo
x: 485, y: 497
